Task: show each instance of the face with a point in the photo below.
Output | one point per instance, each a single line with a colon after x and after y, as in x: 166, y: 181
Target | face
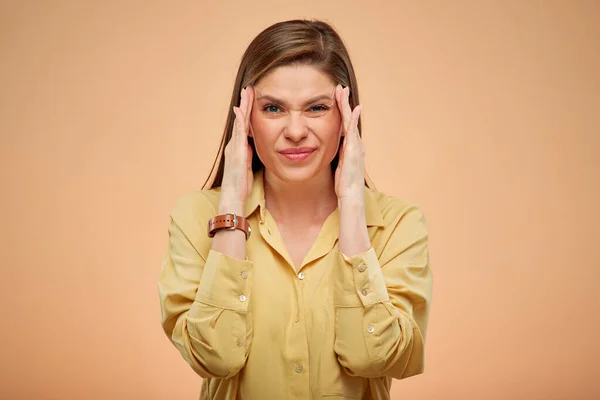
x: 295, y: 122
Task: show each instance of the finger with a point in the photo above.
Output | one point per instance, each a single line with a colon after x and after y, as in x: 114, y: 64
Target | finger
x: 338, y: 100
x: 243, y: 99
x: 337, y: 94
x: 248, y: 106
x: 347, y: 108
x: 341, y: 156
x: 354, y: 121
x: 340, y: 94
x: 239, y: 123
x: 234, y: 130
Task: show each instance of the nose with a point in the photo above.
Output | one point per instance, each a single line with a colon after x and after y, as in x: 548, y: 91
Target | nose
x: 296, y: 129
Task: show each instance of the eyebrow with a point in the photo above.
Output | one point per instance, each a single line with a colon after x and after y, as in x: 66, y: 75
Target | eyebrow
x: 311, y: 100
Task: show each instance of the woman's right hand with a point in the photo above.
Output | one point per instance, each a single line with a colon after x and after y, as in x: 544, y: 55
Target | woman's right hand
x: 237, y: 175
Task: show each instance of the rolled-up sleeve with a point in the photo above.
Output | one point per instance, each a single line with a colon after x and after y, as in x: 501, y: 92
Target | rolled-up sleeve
x: 204, y: 299
x: 383, y: 302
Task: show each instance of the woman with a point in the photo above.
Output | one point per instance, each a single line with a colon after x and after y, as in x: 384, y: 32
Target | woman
x: 290, y: 277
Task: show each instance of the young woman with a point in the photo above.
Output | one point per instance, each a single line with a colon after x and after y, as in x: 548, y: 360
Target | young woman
x: 290, y: 277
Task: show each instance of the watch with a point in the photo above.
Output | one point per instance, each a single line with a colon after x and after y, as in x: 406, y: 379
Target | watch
x: 229, y: 221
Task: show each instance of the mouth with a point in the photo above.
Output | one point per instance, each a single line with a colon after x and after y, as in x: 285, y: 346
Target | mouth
x: 297, y: 154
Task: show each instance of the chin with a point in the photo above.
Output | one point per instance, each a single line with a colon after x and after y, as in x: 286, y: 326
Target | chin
x: 295, y: 174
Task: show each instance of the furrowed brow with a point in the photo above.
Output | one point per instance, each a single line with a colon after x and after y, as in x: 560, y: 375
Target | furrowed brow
x: 309, y: 101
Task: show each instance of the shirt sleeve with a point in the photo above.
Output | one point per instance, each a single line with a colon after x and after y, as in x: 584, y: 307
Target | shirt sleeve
x: 204, y: 299
x: 382, y: 303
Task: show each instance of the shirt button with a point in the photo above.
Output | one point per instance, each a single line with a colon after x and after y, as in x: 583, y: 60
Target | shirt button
x: 364, y: 292
x: 242, y: 298
x: 244, y: 274
x: 298, y: 368
x: 301, y: 275
x: 370, y: 329
x: 362, y: 267
x: 240, y: 342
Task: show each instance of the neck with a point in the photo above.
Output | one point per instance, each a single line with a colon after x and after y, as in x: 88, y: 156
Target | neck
x: 300, y: 203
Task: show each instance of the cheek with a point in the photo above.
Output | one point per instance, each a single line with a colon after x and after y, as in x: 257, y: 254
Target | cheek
x: 334, y: 124
x: 262, y: 125
x: 263, y: 135
x: 333, y: 128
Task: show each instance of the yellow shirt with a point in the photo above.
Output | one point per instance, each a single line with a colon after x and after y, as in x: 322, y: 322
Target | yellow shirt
x: 339, y: 328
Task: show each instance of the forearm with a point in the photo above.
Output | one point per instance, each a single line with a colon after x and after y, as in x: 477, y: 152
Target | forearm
x: 382, y: 297
x: 216, y: 332
x: 373, y: 338
x: 354, y: 237
x: 205, y: 298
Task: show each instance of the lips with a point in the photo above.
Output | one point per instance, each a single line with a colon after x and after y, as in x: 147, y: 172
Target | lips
x: 298, y: 150
x: 297, y: 154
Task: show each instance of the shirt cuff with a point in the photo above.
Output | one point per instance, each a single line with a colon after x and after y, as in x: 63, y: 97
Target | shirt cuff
x: 226, y: 282
x: 360, y: 280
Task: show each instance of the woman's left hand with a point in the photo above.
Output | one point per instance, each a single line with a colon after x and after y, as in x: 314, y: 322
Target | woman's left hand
x: 350, y: 173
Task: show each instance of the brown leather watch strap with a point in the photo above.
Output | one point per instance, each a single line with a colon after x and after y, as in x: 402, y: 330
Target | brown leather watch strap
x: 229, y: 221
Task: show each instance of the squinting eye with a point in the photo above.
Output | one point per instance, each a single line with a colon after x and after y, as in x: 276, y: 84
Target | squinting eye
x: 322, y: 108
x: 269, y: 106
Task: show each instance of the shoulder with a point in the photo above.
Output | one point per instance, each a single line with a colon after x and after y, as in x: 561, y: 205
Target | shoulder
x: 403, y: 229
x: 397, y: 212
x: 190, y: 214
x: 196, y: 204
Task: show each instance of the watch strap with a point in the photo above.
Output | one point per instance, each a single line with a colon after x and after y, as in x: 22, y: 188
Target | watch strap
x: 229, y: 221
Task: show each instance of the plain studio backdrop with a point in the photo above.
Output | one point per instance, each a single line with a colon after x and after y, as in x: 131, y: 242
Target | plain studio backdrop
x: 485, y: 113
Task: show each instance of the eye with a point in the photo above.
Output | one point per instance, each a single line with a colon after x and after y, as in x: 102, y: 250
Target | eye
x: 269, y: 106
x: 320, y: 108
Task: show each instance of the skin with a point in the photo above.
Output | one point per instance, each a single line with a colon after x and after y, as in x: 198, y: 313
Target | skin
x: 298, y: 193
x: 302, y: 195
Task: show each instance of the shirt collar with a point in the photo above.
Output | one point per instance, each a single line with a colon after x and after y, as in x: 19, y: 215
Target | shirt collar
x: 257, y: 200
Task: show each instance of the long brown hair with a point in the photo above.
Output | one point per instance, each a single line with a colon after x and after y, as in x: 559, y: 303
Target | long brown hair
x: 293, y: 42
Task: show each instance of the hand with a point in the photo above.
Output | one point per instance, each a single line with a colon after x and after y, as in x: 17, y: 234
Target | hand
x: 350, y: 173
x: 237, y: 174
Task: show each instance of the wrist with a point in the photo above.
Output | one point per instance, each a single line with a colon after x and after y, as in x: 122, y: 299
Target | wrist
x: 230, y: 210
x: 352, y: 204
x: 226, y: 206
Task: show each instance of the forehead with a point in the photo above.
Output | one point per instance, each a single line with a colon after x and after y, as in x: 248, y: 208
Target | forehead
x: 294, y: 82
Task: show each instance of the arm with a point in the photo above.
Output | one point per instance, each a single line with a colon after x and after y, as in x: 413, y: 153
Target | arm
x: 383, y: 301
x: 202, y: 312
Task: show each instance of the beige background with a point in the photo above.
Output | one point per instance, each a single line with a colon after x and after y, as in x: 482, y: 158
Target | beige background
x: 486, y: 113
